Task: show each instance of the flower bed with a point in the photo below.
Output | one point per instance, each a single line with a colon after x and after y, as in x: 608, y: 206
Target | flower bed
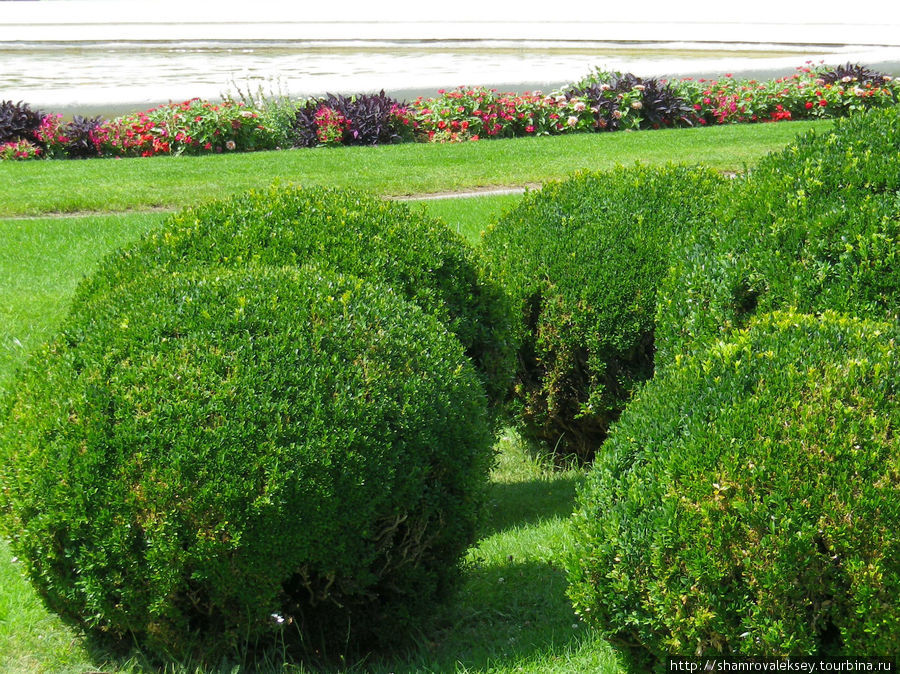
x: 603, y: 101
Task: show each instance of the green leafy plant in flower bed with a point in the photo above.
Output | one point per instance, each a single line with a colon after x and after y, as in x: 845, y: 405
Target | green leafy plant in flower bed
x: 815, y: 227
x: 581, y: 260
x: 191, y: 127
x: 811, y: 92
x: 603, y: 101
x: 746, y: 501
x: 19, y: 149
x: 471, y: 114
x: 212, y: 462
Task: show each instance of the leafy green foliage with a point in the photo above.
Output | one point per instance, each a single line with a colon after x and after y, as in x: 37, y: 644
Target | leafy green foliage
x: 204, y: 461
x: 815, y: 226
x: 344, y: 231
x: 746, y: 502
x: 581, y: 260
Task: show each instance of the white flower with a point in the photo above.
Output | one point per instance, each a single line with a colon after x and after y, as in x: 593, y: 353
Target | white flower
x: 617, y: 114
x: 637, y: 105
x: 579, y: 106
x: 846, y: 79
x: 561, y: 98
x: 230, y: 145
x: 572, y: 121
x: 638, y: 87
x: 605, y: 87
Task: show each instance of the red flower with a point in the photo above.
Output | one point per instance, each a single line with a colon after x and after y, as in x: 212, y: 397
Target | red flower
x: 809, y: 105
x: 823, y: 102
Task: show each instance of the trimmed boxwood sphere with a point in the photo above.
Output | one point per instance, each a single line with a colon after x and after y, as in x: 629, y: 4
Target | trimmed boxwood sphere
x: 747, y: 501
x: 346, y: 231
x: 211, y: 460
x: 581, y: 260
x: 815, y: 227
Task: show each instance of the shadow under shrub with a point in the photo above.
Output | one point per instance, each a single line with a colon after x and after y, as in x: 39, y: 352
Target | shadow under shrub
x: 746, y: 501
x: 346, y: 231
x: 581, y: 260
x: 203, y: 461
x: 815, y: 226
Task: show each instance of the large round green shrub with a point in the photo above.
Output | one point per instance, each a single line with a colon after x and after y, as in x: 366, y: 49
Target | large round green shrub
x: 210, y: 460
x: 581, y: 260
x: 349, y: 232
x: 815, y: 227
x: 747, y: 501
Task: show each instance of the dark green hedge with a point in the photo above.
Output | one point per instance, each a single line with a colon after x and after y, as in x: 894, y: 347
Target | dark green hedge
x: 815, y: 227
x: 747, y: 502
x: 207, y: 461
x: 581, y: 260
x: 346, y: 231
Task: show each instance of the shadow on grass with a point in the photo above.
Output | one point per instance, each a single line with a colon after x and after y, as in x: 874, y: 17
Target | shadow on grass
x: 517, y: 504
x: 504, y: 615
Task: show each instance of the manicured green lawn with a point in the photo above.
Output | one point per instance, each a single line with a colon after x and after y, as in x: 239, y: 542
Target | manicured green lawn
x: 165, y: 182
x: 41, y: 261
x: 469, y: 217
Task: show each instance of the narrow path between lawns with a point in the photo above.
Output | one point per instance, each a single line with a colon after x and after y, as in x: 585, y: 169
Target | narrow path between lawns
x: 428, y: 196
